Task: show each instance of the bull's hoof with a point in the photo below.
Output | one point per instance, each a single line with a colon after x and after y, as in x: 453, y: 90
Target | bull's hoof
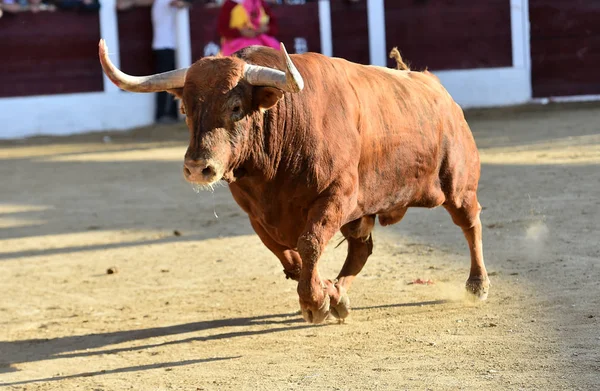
x: 478, y: 287
x: 316, y: 316
x: 341, y: 310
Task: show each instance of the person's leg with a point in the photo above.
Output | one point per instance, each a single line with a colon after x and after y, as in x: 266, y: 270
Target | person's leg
x: 166, y: 107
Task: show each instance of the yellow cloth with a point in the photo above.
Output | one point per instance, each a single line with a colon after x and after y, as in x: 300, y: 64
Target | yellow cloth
x: 240, y: 18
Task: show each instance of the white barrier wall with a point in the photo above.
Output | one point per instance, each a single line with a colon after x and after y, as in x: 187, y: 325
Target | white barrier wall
x: 497, y: 86
x: 111, y: 109
x: 74, y: 113
x: 117, y: 110
x: 473, y: 87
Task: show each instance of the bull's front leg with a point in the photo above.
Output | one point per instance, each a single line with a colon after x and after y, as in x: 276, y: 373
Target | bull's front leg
x: 290, y: 259
x: 315, y: 295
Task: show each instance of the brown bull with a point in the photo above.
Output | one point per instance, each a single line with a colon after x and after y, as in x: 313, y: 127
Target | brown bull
x: 307, y: 156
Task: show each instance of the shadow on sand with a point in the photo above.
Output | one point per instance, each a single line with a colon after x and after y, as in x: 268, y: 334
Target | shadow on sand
x: 13, y: 352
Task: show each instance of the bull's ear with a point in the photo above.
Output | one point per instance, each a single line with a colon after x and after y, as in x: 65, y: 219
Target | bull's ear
x: 178, y: 92
x: 266, y: 97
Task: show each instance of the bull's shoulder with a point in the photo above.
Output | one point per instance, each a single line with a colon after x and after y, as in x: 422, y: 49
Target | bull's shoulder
x: 310, y: 62
x: 265, y: 56
x: 261, y: 55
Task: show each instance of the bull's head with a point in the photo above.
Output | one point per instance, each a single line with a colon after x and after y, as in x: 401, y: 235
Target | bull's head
x: 220, y: 96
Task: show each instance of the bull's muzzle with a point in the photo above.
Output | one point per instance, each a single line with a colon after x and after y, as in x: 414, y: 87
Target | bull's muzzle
x: 201, y: 171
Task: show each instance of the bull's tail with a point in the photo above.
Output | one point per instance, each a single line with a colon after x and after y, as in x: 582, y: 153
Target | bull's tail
x: 400, y: 64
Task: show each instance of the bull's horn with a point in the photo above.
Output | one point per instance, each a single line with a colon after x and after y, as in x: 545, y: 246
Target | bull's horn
x: 153, y: 83
x: 289, y: 81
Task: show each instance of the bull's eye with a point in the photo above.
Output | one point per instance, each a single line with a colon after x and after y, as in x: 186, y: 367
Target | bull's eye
x: 236, y: 113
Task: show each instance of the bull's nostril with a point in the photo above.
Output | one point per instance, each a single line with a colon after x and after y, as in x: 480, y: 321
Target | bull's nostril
x: 186, y: 171
x: 208, y: 172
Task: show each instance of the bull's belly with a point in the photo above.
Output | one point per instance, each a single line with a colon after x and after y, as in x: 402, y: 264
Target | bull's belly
x: 285, y: 222
x: 390, y: 202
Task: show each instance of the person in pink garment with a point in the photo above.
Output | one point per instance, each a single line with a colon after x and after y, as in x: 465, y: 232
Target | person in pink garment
x: 244, y: 23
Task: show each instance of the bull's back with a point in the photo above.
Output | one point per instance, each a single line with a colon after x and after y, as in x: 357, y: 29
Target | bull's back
x: 417, y: 149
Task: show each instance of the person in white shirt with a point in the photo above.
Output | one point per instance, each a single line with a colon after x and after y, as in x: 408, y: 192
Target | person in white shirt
x: 164, y: 13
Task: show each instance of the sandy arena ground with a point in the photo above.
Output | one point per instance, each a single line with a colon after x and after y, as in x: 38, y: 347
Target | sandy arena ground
x: 208, y: 307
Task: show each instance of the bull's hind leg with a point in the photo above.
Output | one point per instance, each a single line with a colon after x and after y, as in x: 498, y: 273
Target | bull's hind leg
x: 466, y: 216
x: 360, y: 246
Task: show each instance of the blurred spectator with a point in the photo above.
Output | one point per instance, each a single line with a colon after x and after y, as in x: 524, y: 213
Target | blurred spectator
x: 123, y: 5
x: 10, y: 6
x: 244, y: 23
x: 83, y: 5
x: 35, y: 5
x: 164, y: 14
x: 14, y: 6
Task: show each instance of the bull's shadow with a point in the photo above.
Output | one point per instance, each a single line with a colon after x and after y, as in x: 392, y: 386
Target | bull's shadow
x: 14, y: 352
x: 135, y: 368
x: 42, y: 349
